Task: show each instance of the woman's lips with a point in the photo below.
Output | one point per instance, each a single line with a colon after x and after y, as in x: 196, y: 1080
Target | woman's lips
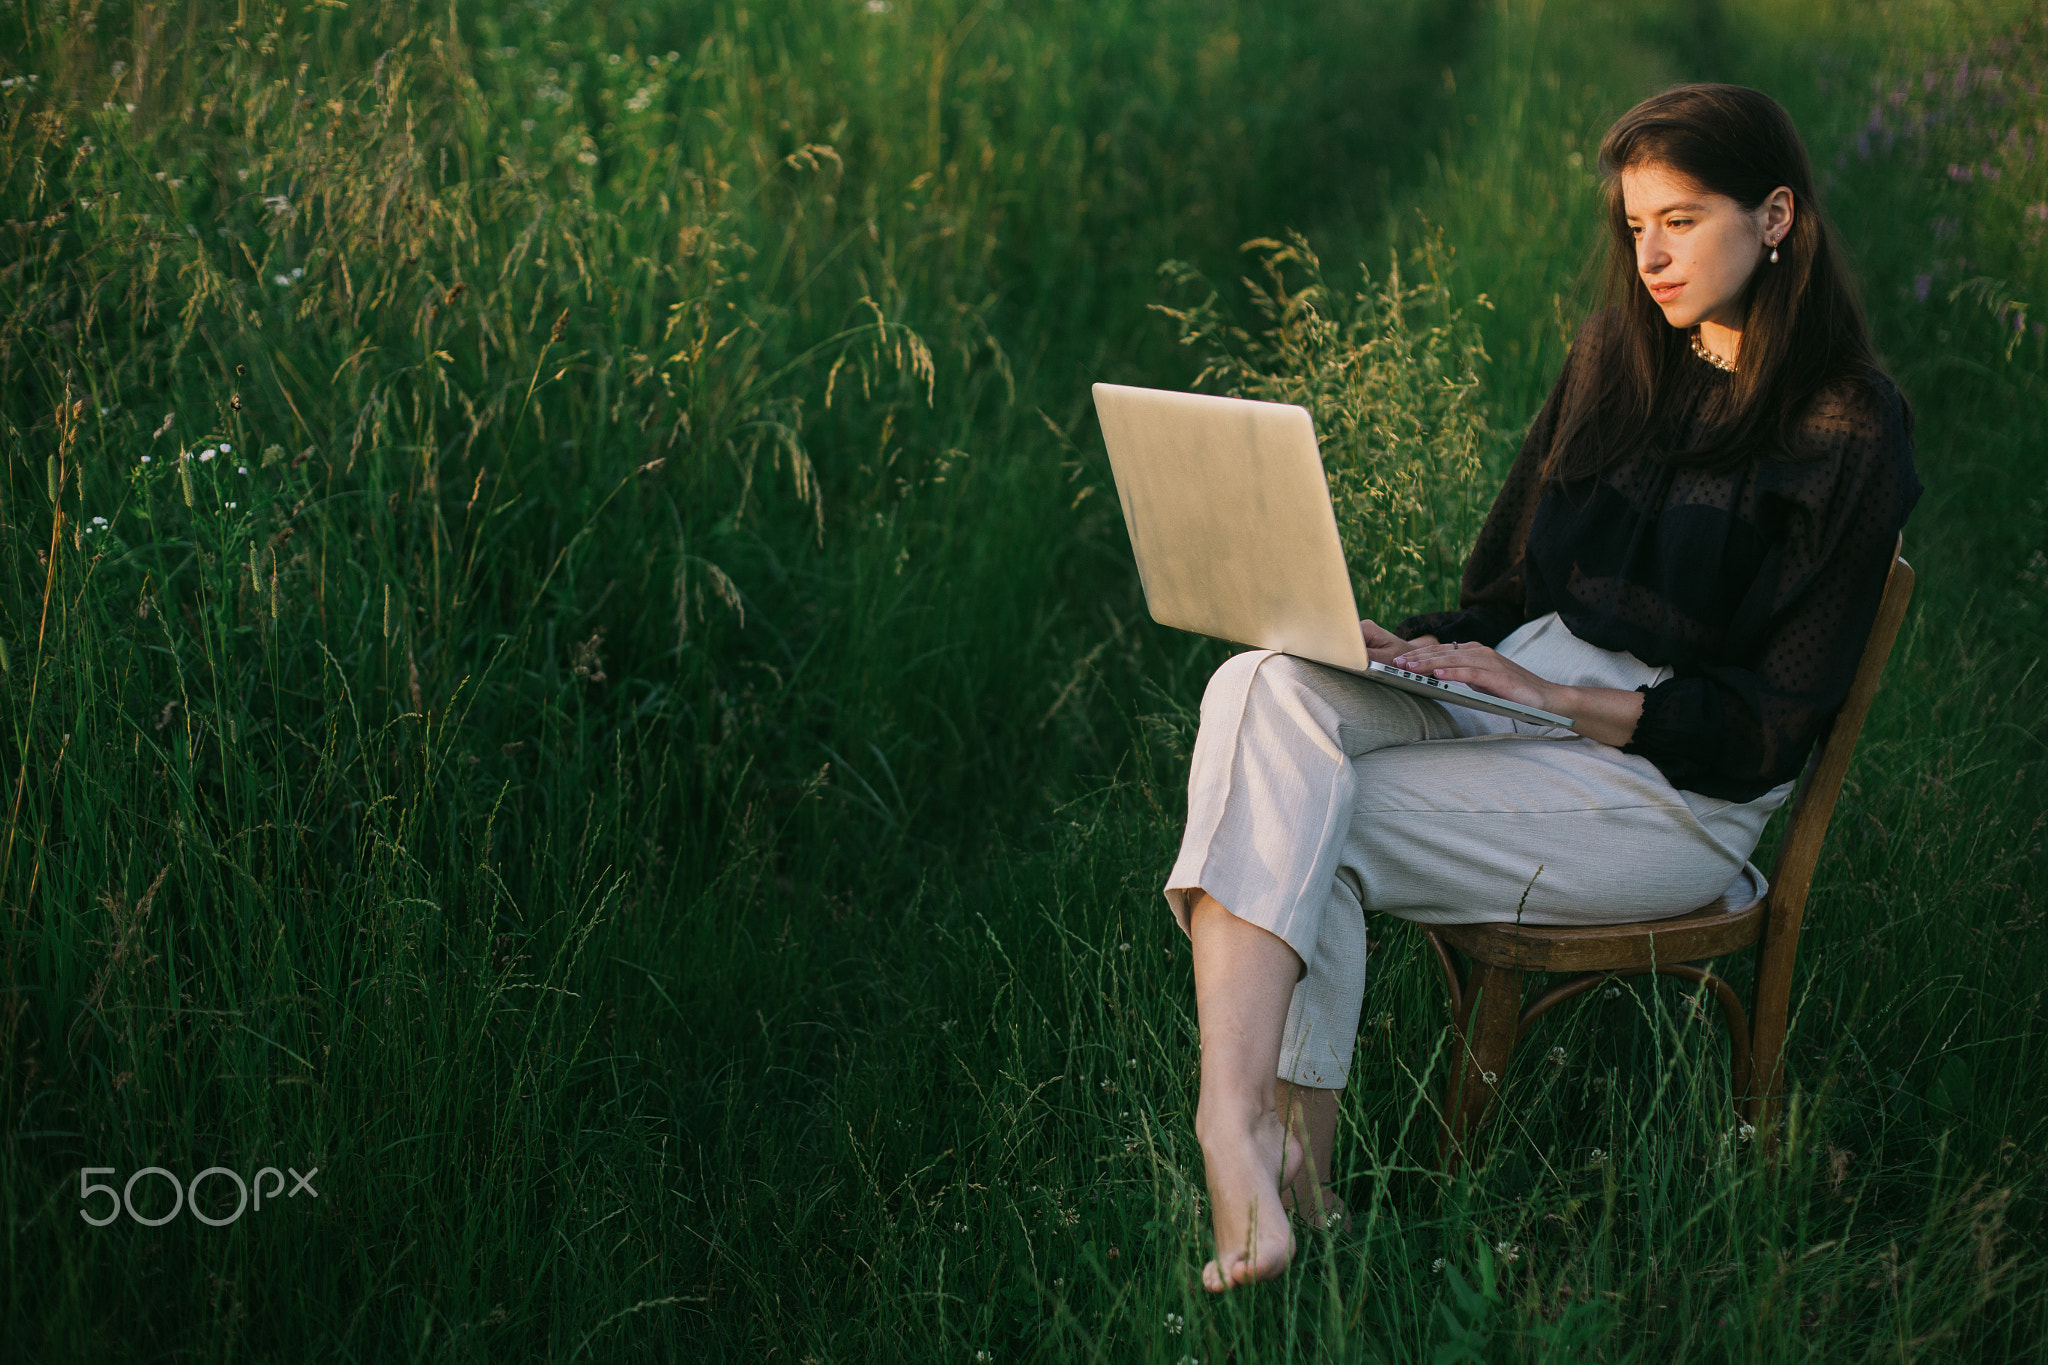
x: 1664, y: 293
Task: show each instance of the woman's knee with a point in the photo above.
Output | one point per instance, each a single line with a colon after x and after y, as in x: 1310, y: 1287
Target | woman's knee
x: 1259, y: 675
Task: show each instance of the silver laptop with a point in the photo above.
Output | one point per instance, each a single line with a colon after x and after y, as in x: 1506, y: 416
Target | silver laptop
x: 1230, y: 518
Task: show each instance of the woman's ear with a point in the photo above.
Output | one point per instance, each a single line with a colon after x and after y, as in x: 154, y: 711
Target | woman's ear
x: 1777, y: 215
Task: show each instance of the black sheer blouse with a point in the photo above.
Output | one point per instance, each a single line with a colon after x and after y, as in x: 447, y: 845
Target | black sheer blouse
x: 1757, y: 585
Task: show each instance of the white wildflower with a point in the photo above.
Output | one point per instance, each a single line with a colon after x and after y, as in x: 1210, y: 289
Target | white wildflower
x: 1436, y: 1267
x: 1175, y: 1323
x: 1557, y: 1056
x: 1746, y: 1131
x: 1507, y: 1251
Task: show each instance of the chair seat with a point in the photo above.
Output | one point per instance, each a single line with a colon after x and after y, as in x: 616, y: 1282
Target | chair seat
x: 1720, y: 926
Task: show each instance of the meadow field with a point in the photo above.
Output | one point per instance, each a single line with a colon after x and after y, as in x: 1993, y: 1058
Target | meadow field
x: 570, y: 676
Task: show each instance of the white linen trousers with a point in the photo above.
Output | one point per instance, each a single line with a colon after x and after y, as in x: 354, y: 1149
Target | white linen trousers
x: 1316, y: 796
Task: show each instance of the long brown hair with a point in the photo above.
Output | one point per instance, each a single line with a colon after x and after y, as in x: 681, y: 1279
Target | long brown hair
x: 1803, y: 327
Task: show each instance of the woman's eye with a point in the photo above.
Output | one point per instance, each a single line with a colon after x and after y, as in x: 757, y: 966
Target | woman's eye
x: 1678, y: 222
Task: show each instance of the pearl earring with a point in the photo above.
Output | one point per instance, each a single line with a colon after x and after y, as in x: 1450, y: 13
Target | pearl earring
x: 1774, y: 253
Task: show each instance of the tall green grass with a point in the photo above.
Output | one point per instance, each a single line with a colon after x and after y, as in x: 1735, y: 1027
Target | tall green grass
x: 656, y: 778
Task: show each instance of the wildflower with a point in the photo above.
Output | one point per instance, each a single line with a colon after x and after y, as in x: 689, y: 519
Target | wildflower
x: 526, y: 125
x: 233, y: 505
x: 671, y: 56
x: 1491, y: 1078
x: 1557, y: 1056
x: 959, y: 1227
x: 1746, y: 1132
x: 1175, y: 1323
x: 612, y: 60
x: 1507, y: 1251
x: 241, y: 469
x: 145, y: 459
x: 1613, y: 992
x: 1132, y: 1064
x: 980, y: 1356
x: 225, y: 447
x: 117, y: 68
x: 587, y: 158
x: 1123, y: 947
x: 1599, y: 1156
x: 206, y: 454
x: 1436, y: 1267
x: 281, y: 281
x: 878, y: 6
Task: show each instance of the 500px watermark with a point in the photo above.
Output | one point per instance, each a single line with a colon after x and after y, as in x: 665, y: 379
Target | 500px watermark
x: 187, y: 1195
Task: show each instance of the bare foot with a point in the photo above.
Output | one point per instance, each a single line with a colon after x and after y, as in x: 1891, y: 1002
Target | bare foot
x: 1245, y: 1167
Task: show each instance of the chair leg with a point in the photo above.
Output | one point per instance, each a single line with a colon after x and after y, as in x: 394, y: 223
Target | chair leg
x: 1767, y: 1024
x: 1486, y: 1030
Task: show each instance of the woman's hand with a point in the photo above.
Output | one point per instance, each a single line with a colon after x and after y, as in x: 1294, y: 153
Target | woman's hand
x: 1486, y: 670
x: 1382, y: 645
x: 1606, y: 714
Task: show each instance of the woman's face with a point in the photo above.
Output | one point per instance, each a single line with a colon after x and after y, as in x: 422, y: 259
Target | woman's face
x: 1695, y: 250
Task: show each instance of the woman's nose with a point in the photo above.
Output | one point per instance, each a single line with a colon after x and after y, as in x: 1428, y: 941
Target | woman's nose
x: 1651, y: 256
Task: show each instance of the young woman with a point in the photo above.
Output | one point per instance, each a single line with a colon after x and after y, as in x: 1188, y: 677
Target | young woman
x: 1685, y: 558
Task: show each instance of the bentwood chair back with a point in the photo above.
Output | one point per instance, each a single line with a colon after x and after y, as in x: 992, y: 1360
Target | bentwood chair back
x: 1486, y: 1003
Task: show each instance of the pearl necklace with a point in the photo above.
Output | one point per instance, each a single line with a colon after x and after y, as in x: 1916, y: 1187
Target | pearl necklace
x: 1699, y: 349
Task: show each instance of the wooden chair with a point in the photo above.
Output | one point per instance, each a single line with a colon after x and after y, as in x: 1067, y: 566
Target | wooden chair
x: 1486, y: 1005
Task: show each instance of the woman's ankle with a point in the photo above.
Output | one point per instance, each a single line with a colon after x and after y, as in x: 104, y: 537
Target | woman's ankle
x: 1230, y: 1120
